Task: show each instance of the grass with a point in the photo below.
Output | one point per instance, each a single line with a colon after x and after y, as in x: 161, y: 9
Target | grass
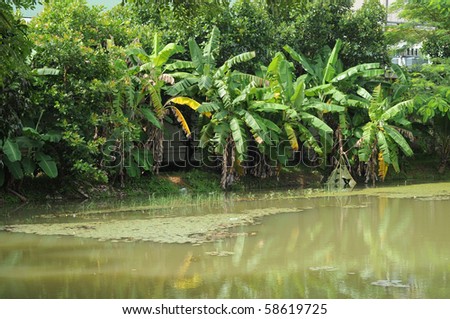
x: 153, y: 185
x: 201, y: 181
x: 420, y: 168
x: 292, y: 177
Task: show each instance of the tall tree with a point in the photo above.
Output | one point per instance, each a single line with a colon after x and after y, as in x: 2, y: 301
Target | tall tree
x: 14, y: 44
x: 363, y: 34
x: 322, y: 22
x: 22, y: 142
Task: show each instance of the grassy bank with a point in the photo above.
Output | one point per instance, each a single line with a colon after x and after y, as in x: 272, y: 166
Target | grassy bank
x: 194, y: 181
x: 199, y: 181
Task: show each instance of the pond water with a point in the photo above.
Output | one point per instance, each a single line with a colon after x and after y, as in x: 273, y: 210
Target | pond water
x: 353, y: 246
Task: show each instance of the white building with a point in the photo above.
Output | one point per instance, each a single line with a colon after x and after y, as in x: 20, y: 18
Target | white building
x: 407, y: 55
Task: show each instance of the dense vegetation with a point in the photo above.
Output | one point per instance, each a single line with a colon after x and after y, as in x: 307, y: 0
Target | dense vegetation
x: 91, y: 95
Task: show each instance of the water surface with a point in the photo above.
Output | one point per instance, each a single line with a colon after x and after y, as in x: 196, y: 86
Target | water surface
x: 358, y: 246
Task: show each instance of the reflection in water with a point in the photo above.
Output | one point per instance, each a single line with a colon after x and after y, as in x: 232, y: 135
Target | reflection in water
x: 336, y: 249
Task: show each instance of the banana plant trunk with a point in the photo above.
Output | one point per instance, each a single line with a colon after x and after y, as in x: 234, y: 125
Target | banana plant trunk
x: 228, y: 160
x: 155, y: 144
x: 371, y: 170
x: 261, y: 168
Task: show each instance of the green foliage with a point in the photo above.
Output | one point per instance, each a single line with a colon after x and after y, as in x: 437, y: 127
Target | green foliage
x: 431, y: 89
x: 321, y: 23
x: 91, y: 102
x: 122, y: 26
x: 178, y: 21
x: 22, y: 147
x: 316, y: 27
x: 139, y: 99
x: 11, y: 150
x: 301, y: 117
x: 15, y: 76
x: 19, y: 155
x: 265, y: 26
x: 282, y: 10
x: 431, y: 92
x: 47, y: 164
x: 201, y: 181
x: 14, y: 44
x: 162, y: 186
x: 383, y: 133
x: 251, y: 29
x: 363, y: 34
x: 81, y: 41
x: 70, y: 36
x: 427, y: 21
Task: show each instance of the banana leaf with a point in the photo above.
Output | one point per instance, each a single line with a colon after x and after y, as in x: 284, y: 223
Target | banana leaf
x: 11, y: 150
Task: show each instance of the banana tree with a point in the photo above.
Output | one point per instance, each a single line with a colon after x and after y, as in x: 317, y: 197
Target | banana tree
x: 26, y: 155
x: 300, y: 112
x: 326, y: 80
x: 140, y: 98
x: 226, y: 122
x: 326, y: 69
x: 235, y: 124
x: 24, y: 152
x: 383, y: 135
x: 196, y: 76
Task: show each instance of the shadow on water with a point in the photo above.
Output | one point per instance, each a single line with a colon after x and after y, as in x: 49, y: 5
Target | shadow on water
x: 337, y: 247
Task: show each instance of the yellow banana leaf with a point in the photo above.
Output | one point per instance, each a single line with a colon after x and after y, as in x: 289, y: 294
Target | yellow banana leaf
x: 181, y: 120
x: 193, y: 104
x: 291, y: 136
x: 382, y: 166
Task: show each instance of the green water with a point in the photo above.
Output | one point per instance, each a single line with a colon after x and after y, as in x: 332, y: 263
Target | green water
x: 337, y: 248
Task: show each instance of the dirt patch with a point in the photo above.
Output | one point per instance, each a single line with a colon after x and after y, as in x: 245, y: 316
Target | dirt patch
x: 176, y: 180
x: 188, y: 229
